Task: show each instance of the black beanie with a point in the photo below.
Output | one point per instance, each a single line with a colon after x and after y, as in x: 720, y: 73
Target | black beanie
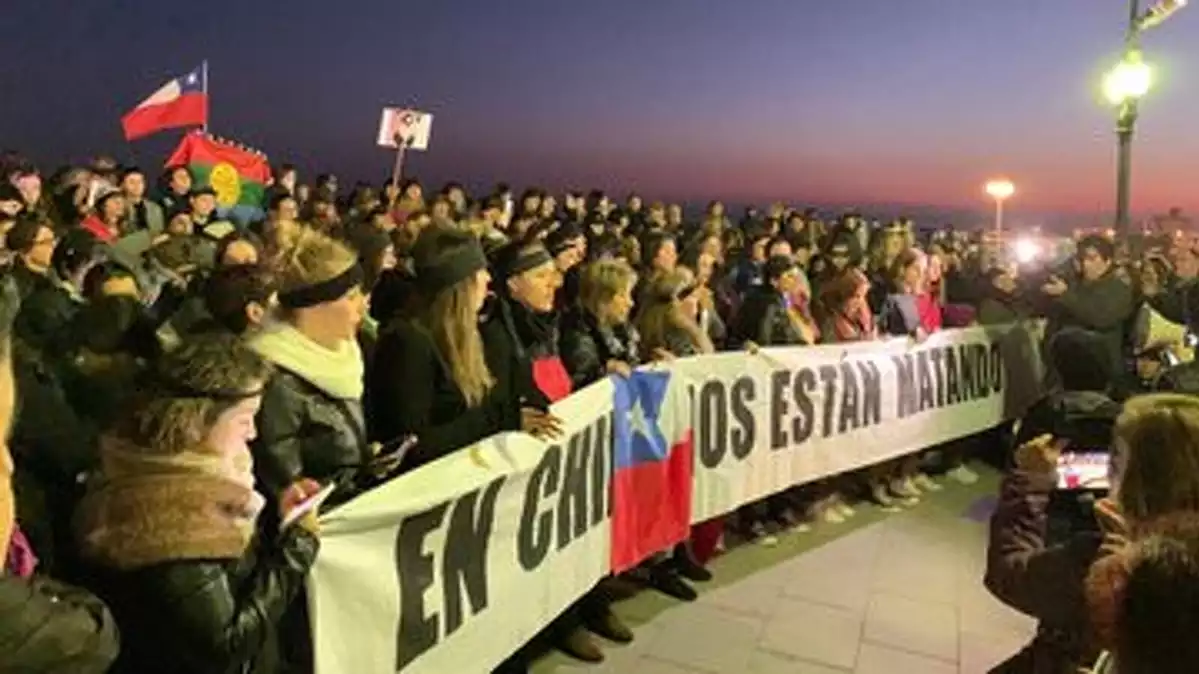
x: 1081, y: 359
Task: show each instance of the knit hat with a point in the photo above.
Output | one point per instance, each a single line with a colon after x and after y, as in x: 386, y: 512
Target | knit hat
x: 1081, y: 359
x: 444, y: 256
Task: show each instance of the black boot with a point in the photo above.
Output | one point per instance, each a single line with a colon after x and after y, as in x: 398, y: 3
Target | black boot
x: 664, y: 579
x: 687, y: 567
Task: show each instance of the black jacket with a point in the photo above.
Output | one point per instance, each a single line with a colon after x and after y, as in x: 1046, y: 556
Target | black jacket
x: 1179, y: 302
x: 50, y: 628
x: 764, y: 321
x: 208, y: 616
x: 47, y: 311
x: 1102, y: 306
x: 587, y: 347
x: 302, y: 432
x: 517, y: 344
x: 411, y: 392
x: 52, y: 447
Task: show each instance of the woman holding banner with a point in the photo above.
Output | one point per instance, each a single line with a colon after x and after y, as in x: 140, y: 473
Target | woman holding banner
x: 910, y: 311
x: 471, y: 394
x: 669, y: 326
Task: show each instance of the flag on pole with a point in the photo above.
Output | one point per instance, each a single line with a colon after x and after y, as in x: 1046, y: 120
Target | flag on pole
x: 237, y: 174
x: 651, y: 481
x: 181, y: 102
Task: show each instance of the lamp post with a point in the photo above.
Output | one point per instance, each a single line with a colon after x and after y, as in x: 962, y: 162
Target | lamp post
x: 1124, y: 86
x: 999, y: 190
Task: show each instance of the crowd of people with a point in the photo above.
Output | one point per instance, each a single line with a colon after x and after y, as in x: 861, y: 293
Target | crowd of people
x: 179, y: 386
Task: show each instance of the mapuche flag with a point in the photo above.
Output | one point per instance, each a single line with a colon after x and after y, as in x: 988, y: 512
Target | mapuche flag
x: 237, y: 175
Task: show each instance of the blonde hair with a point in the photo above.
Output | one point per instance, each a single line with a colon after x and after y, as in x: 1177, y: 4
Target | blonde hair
x: 1157, y: 440
x: 451, y: 319
x: 307, y: 257
x: 600, y: 283
x: 663, y: 313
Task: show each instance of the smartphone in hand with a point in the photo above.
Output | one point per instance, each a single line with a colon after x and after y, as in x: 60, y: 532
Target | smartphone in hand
x: 310, y: 504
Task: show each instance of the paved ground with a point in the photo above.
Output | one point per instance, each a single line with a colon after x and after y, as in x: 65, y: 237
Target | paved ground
x: 881, y: 594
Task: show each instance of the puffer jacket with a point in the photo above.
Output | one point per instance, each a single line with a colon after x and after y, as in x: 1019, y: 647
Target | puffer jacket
x: 51, y: 628
x: 587, y: 347
x: 209, y: 616
x: 1044, y: 581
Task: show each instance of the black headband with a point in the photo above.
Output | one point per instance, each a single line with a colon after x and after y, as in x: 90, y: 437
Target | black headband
x: 532, y: 260
x: 452, y: 269
x: 325, y: 291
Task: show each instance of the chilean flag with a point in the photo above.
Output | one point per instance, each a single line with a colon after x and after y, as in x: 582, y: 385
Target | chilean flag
x: 651, y: 480
x: 181, y: 102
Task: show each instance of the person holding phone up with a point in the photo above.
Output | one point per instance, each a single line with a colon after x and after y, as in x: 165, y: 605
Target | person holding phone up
x: 168, y: 529
x: 1152, y: 473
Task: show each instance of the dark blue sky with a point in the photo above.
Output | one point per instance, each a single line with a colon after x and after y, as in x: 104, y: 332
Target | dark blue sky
x: 863, y: 100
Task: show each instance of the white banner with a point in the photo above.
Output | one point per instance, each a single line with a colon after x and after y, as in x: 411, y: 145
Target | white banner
x: 453, y: 567
x: 791, y: 416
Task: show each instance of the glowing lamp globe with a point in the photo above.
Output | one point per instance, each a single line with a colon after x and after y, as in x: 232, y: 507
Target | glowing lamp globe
x: 1000, y: 189
x: 1128, y: 81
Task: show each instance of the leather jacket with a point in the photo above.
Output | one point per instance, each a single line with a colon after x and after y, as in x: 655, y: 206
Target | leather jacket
x: 764, y: 320
x: 304, y: 433
x: 209, y: 616
x: 587, y: 347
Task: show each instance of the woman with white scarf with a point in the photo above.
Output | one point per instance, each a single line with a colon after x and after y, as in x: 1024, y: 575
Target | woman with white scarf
x: 311, y: 423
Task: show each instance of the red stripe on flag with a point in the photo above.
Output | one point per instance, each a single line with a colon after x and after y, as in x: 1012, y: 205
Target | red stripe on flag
x: 651, y: 507
x: 187, y: 110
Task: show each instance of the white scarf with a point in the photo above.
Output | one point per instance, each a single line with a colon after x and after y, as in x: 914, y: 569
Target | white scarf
x: 338, y: 373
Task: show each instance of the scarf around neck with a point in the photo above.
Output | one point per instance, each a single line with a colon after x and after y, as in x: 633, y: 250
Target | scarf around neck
x: 336, y: 373
x: 145, y: 508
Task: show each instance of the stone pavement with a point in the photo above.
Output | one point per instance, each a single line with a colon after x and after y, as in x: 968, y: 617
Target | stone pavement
x: 882, y: 594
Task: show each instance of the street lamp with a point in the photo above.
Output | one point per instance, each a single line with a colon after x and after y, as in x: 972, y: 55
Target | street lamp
x: 1124, y: 87
x: 999, y: 190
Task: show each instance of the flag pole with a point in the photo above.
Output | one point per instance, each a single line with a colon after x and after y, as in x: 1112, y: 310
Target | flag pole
x: 204, y: 83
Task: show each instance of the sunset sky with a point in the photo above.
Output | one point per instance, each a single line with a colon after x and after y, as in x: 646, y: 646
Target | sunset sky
x: 863, y: 101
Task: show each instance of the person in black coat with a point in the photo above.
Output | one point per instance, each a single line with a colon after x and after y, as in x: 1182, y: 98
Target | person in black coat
x: 311, y: 423
x: 466, y: 390
x: 765, y: 318
x: 597, y: 338
x: 168, y: 527
x: 48, y: 308
x: 53, y: 447
x: 45, y: 626
x: 521, y: 332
